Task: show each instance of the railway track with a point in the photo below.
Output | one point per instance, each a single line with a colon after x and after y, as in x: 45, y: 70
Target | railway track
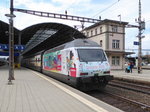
x: 139, y: 105
x: 145, y: 89
x: 144, y: 67
x: 125, y: 104
x: 127, y: 96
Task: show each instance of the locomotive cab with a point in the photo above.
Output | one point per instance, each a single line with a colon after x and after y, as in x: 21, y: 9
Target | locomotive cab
x: 87, y: 65
x: 92, y: 68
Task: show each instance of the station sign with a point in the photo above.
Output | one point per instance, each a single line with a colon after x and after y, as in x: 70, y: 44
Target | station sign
x: 16, y: 47
x: 135, y: 43
x: 7, y: 53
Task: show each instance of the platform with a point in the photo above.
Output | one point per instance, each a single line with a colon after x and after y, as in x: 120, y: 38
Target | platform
x: 144, y: 76
x: 34, y: 92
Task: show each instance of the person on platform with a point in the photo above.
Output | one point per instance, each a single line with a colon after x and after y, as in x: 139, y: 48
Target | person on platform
x: 128, y: 68
x: 131, y: 66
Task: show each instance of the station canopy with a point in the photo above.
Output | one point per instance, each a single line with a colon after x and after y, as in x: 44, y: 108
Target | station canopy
x: 47, y: 35
x: 44, y: 36
x: 4, y: 33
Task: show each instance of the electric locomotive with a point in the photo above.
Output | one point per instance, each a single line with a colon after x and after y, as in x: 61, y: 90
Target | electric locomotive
x: 81, y: 63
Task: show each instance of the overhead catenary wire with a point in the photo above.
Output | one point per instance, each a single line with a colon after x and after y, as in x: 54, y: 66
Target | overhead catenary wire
x: 107, y: 8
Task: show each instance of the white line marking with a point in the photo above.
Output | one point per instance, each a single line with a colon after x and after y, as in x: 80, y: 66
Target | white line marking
x: 80, y: 98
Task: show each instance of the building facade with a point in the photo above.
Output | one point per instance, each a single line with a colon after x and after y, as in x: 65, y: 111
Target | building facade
x: 110, y: 35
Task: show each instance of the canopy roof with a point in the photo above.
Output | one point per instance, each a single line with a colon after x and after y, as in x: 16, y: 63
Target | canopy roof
x: 47, y: 35
x: 4, y: 33
x: 40, y: 36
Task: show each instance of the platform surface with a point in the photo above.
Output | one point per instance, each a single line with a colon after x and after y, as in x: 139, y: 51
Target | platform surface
x: 144, y: 76
x: 33, y: 92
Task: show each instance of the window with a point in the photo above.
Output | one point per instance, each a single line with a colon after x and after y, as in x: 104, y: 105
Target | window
x: 87, y: 34
x: 115, y: 60
x: 96, y: 31
x: 115, y: 44
x: 101, y: 30
x: 91, y: 32
x: 114, y: 28
x: 92, y: 55
x: 101, y: 44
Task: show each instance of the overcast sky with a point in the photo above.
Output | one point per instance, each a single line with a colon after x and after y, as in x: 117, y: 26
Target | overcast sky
x: 107, y: 9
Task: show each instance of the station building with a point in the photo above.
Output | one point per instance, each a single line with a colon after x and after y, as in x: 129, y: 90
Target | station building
x: 110, y: 35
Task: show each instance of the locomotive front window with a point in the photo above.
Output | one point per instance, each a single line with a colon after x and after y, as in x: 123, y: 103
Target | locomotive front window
x: 86, y: 55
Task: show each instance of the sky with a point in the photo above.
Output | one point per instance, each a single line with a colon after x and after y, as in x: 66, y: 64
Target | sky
x: 107, y: 9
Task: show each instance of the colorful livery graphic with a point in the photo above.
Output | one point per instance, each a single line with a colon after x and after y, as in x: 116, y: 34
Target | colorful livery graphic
x: 52, y: 61
x: 80, y: 63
